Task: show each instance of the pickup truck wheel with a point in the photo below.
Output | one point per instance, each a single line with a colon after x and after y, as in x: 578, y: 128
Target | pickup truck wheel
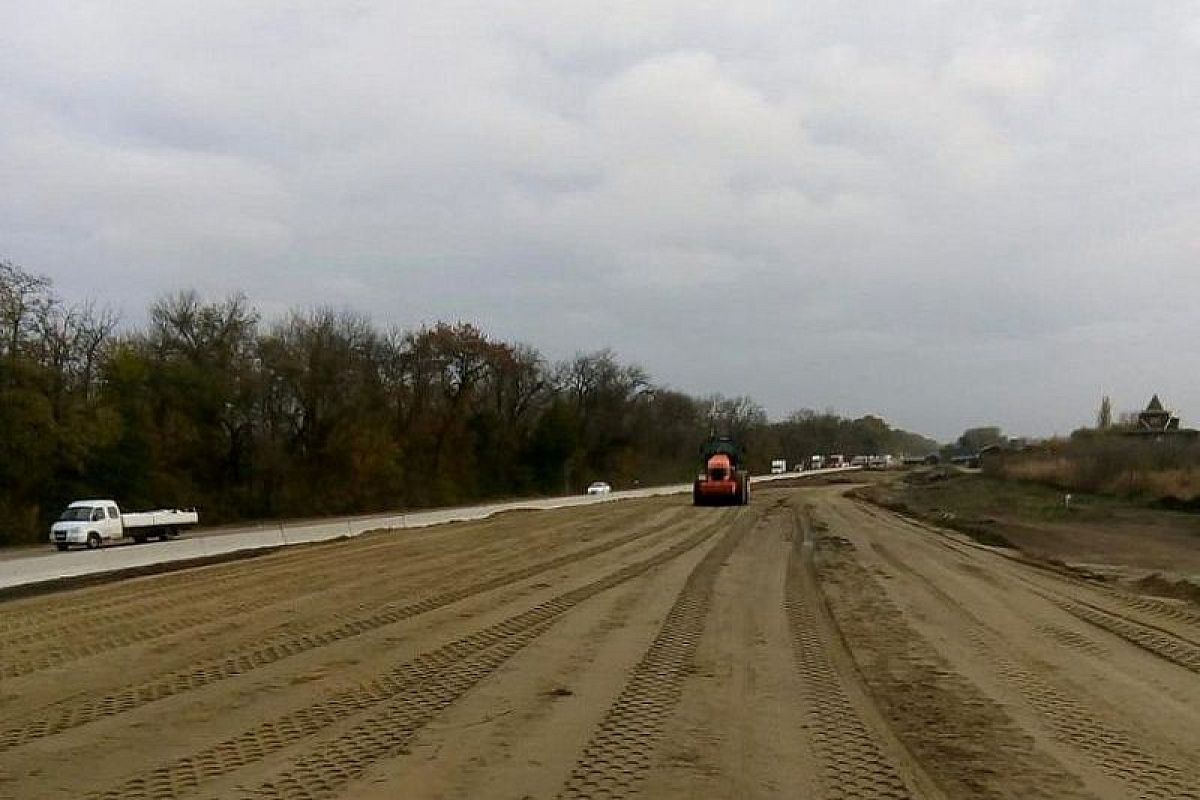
x: 62, y: 546
x: 93, y: 541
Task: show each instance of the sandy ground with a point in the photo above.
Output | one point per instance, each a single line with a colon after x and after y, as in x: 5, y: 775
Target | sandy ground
x: 804, y: 646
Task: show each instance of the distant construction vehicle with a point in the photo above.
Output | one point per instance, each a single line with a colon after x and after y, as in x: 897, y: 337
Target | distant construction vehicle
x: 723, y: 481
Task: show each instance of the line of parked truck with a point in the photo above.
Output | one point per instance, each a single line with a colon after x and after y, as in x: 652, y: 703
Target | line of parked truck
x: 834, y: 461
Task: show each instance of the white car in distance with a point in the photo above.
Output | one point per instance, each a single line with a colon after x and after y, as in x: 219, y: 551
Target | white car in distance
x: 599, y: 487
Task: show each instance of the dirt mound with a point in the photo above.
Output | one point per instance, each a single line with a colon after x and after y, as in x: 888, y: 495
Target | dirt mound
x: 1160, y: 586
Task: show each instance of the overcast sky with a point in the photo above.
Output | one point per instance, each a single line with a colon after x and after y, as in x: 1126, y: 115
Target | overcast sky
x: 947, y: 213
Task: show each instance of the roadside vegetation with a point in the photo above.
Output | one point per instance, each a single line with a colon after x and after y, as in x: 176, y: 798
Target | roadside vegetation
x: 1164, y: 470
x: 321, y: 412
x: 1140, y: 456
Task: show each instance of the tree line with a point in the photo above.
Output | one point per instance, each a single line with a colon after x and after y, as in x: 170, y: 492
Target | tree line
x: 322, y: 412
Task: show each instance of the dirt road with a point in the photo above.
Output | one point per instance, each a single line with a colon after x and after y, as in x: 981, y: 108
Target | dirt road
x: 804, y: 646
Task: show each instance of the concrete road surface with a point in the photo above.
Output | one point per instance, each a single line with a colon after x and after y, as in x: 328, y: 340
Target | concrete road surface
x: 803, y: 646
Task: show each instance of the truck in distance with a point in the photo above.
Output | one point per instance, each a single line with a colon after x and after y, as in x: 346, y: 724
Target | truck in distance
x: 778, y: 466
x: 94, y: 522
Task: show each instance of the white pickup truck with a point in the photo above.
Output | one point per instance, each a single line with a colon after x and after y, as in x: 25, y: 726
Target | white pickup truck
x: 94, y: 522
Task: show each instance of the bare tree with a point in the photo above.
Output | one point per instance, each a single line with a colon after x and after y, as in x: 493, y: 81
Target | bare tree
x: 24, y: 298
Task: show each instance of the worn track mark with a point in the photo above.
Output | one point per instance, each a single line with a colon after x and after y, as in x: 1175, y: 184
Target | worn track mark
x: 622, y: 748
x: 408, y: 680
x: 852, y: 763
x: 1159, y: 608
x: 86, y: 624
x: 330, y: 765
x: 71, y: 714
x: 124, y: 599
x: 21, y: 664
x: 1072, y: 640
x: 1153, y: 640
x: 85, y: 639
x: 326, y: 564
x: 1113, y: 750
x: 966, y: 740
x: 1167, y: 612
x: 1068, y: 720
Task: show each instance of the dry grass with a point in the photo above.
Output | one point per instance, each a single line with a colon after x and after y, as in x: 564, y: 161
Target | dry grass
x: 1123, y: 467
x: 1182, y: 484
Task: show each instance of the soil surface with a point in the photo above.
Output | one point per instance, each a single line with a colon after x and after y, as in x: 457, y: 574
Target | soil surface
x: 1146, y: 547
x: 807, y: 645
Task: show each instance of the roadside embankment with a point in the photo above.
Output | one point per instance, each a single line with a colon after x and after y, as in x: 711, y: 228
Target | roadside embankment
x: 1154, y: 550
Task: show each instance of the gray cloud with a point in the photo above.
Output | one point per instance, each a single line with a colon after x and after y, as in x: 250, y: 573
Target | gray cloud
x: 950, y: 214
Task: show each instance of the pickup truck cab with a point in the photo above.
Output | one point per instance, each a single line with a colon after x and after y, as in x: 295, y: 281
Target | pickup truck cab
x: 94, y: 522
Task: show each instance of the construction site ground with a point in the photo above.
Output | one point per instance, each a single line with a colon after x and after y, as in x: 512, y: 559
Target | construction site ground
x: 1135, y: 542
x: 807, y: 645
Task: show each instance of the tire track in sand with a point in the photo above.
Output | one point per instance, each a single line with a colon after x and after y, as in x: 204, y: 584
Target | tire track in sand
x: 853, y: 764
x: 1153, y: 640
x: 1182, y: 621
x: 622, y: 748
x: 328, y: 766
x: 1069, y: 721
x: 69, y: 714
x: 965, y: 740
x: 136, y: 626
